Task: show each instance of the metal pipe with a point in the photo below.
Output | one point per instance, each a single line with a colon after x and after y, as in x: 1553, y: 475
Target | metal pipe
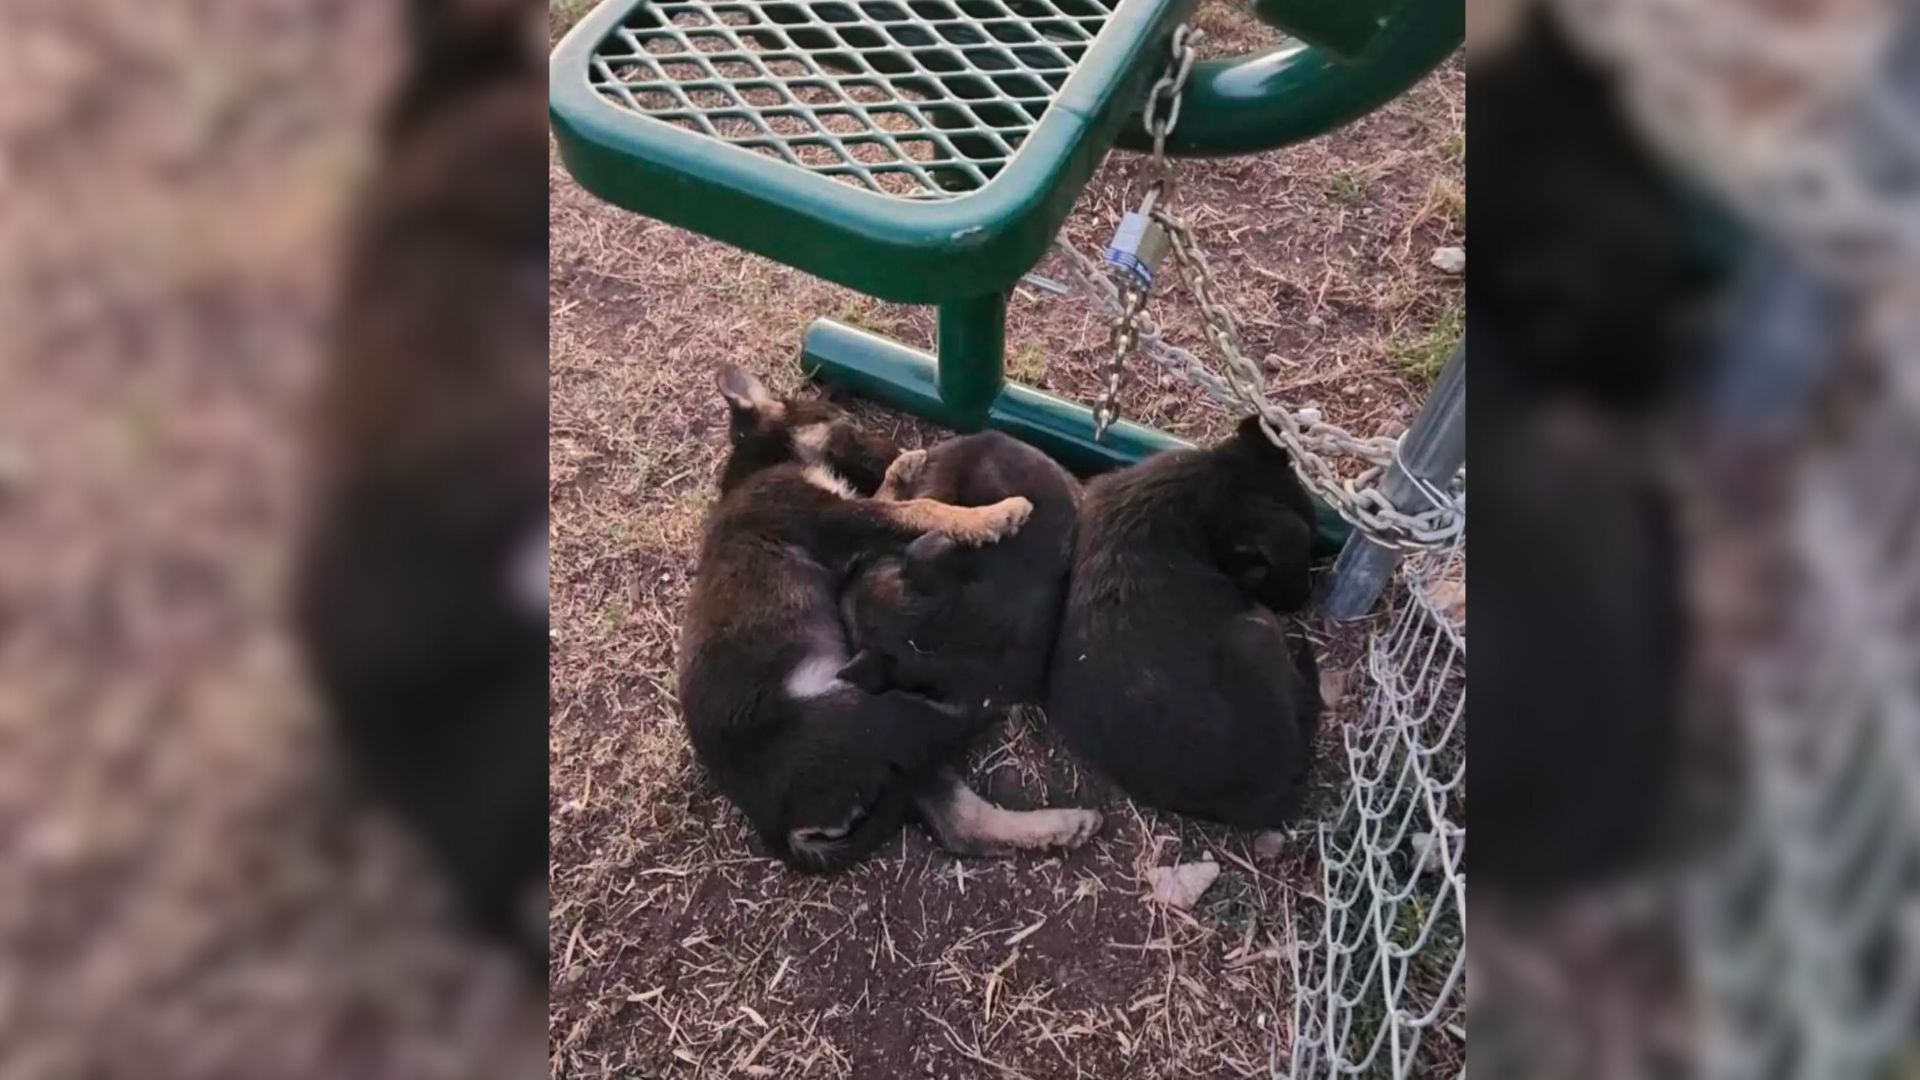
x: 905, y: 378
x: 973, y: 351
x: 1253, y: 103
x: 1345, y: 26
x: 1433, y: 450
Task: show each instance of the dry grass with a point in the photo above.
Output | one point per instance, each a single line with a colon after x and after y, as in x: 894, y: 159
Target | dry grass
x: 678, y: 950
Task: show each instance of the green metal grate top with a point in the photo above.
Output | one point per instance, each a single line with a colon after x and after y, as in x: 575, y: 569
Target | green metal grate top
x: 908, y: 98
x: 916, y: 150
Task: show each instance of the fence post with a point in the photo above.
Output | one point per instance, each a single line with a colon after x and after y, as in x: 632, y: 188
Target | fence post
x: 1434, y: 449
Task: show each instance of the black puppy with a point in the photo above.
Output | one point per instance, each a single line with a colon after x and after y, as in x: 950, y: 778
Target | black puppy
x: 971, y: 626
x: 421, y: 592
x: 823, y: 769
x: 1173, y: 674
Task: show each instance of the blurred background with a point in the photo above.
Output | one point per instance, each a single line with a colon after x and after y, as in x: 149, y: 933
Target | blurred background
x: 1696, y: 429
x: 193, y: 879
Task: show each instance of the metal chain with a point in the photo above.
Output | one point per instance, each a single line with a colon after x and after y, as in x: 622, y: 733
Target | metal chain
x: 1160, y: 113
x: 1308, y: 439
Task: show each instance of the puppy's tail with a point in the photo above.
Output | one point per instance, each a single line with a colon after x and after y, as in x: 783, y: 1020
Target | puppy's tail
x: 455, y: 47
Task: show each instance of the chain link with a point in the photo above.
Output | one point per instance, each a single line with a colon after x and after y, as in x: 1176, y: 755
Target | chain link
x: 1309, y: 440
x: 1159, y: 114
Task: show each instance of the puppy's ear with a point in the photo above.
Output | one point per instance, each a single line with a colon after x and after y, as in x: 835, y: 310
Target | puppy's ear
x: 1254, y: 437
x: 745, y: 394
x: 926, y: 557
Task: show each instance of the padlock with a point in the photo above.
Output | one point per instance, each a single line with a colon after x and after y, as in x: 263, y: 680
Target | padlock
x: 1137, y: 247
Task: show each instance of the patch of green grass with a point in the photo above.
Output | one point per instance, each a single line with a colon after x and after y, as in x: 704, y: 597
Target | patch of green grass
x: 1232, y: 903
x: 1028, y: 364
x: 1346, y: 187
x: 616, y: 616
x: 1422, y: 352
x: 1454, y: 149
x: 1448, y: 200
x: 871, y: 316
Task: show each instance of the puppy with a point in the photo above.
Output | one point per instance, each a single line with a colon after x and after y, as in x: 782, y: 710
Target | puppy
x: 823, y: 769
x: 968, y: 625
x: 1173, y: 673
x: 971, y: 626
x: 421, y: 590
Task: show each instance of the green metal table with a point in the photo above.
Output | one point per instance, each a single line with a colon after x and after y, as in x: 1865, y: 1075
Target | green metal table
x: 927, y: 151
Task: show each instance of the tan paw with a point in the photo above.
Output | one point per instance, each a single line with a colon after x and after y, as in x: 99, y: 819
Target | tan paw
x: 1071, y: 828
x: 902, y: 475
x: 996, y: 522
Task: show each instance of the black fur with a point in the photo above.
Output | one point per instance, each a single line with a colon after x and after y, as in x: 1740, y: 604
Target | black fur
x: 773, y: 564
x: 432, y: 483
x: 1589, y: 301
x: 1172, y: 671
x: 971, y: 625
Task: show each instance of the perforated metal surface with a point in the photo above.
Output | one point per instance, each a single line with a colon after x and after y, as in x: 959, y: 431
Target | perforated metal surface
x: 919, y: 99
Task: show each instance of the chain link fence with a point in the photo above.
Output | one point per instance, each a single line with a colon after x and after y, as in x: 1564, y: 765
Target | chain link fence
x: 1378, y: 979
x: 1805, y: 927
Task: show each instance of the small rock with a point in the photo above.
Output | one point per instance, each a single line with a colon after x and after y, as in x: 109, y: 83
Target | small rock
x: 1333, y: 687
x: 1423, y: 852
x: 1181, y: 886
x: 1316, y: 321
x: 1269, y: 844
x: 1449, y: 260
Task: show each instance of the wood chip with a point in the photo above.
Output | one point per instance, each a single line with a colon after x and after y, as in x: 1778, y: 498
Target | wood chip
x: 1180, y: 887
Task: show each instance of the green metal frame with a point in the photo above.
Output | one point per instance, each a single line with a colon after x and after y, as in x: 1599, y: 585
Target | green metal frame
x: 965, y: 238
x: 1305, y: 89
x: 965, y: 390
x: 907, y: 250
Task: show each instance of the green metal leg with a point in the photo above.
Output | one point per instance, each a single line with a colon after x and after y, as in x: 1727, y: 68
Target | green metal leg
x: 908, y: 379
x: 905, y: 378
x: 973, y: 354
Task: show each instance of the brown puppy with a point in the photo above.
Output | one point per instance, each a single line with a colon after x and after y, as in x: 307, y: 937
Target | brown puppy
x: 823, y: 769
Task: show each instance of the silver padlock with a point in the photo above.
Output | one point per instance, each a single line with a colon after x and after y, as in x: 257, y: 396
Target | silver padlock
x: 1137, y: 247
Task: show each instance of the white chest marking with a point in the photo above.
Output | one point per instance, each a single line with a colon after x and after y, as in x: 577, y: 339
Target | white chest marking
x: 826, y: 479
x: 814, y: 676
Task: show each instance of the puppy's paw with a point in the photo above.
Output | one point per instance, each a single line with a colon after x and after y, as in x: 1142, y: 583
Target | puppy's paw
x: 902, y: 475
x: 1075, y: 827
x: 997, y: 522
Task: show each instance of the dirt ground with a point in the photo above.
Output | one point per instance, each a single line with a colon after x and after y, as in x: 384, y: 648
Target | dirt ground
x: 187, y: 887
x: 677, y: 950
